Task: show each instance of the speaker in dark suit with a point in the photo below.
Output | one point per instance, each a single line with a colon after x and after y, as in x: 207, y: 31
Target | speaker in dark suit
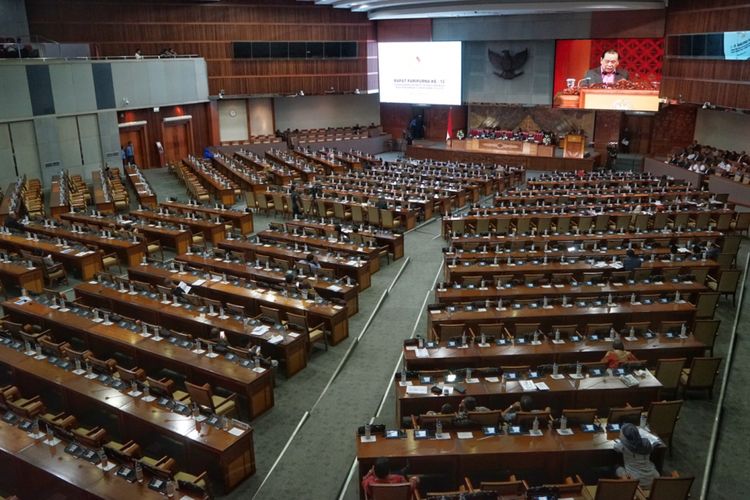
x: 609, y: 65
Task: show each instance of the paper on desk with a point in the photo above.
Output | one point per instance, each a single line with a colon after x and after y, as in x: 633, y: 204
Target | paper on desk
x: 443, y: 435
x: 542, y: 386
x: 527, y: 385
x: 416, y: 389
x: 411, y: 348
x: 260, y: 330
x: 494, y: 380
x: 294, y: 335
x: 465, y: 435
x: 422, y: 353
x: 334, y: 288
x: 276, y: 339
x: 236, y: 431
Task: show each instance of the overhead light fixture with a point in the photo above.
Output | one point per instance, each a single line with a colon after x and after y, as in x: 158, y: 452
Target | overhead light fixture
x: 125, y: 101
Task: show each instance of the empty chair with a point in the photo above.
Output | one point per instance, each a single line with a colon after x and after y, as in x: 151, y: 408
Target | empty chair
x: 523, y: 329
x: 393, y: 491
x: 496, y: 330
x: 429, y: 421
x: 315, y: 333
x: 532, y: 278
x: 203, y: 396
x: 584, y: 223
x: 92, y: 438
x: 525, y: 419
x: 512, y: 487
x: 154, y: 247
x: 482, y: 225
x: 668, y: 372
x: 600, y: 329
x: 165, y: 387
x: 270, y: 314
x: 671, y: 326
x: 562, y: 225
x: 387, y: 220
x: 471, y: 280
x: 706, y: 331
x: 340, y: 211
x: 662, y: 418
x: 700, y: 375
x: 601, y: 223
x: 523, y: 225
x: 612, y: 489
x: 727, y: 282
x: 502, y: 225
x: 673, y: 487
x: 373, y: 215
x: 582, y: 416
x: 443, y: 331
x: 627, y: 414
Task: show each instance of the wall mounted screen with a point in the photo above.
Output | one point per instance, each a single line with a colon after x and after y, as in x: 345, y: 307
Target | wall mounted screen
x: 420, y: 72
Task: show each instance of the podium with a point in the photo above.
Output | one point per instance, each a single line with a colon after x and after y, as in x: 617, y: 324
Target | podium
x: 620, y: 100
x: 575, y: 146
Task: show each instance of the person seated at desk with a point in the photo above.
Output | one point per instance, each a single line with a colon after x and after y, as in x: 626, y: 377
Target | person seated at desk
x: 469, y: 404
x: 380, y: 473
x: 526, y: 404
x: 311, y: 261
x: 631, y: 261
x: 340, y: 235
x: 618, y: 355
x: 178, y: 289
x: 381, y: 203
x: 636, y: 456
x: 446, y: 409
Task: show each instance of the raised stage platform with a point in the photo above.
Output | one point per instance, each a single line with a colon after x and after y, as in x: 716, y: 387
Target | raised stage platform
x: 461, y: 151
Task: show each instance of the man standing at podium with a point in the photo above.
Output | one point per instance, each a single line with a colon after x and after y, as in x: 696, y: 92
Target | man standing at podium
x: 608, y: 71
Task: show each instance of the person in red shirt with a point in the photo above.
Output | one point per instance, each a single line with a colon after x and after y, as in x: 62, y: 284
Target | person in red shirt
x: 380, y: 473
x: 618, y: 355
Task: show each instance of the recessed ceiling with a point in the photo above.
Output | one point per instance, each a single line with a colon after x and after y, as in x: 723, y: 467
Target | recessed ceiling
x: 409, y: 9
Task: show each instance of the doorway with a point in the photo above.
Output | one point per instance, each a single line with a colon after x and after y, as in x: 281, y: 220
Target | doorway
x: 177, y: 140
x: 136, y: 135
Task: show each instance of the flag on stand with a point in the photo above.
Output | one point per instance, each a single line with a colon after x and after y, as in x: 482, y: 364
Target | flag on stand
x: 450, y: 125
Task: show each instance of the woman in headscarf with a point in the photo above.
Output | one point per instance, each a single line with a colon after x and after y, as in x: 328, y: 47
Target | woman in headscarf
x: 636, y: 453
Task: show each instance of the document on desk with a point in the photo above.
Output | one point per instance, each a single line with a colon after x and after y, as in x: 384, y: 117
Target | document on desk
x: 416, y: 389
x: 334, y: 288
x: 527, y: 385
x: 199, y: 282
x: 422, y: 353
x: 236, y: 431
x: 260, y: 330
x: 276, y: 339
x: 542, y: 386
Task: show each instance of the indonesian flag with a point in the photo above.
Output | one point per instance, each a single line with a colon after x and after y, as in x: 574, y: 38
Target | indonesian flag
x: 450, y: 125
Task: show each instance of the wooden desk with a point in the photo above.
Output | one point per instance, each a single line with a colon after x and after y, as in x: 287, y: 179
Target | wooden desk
x: 474, y: 356
x: 30, y: 466
x: 326, y: 289
x: 305, y: 171
x: 618, y: 314
x: 212, y: 231
x: 102, y: 200
x: 245, y: 180
x: 552, y: 455
x: 555, y: 238
x: 17, y: 274
x: 333, y: 316
x: 86, y: 263
x: 146, y: 196
x: 360, y: 272
x: 240, y: 220
x: 227, y: 458
x: 369, y: 254
x: 452, y: 295
x: 292, y: 351
x: 254, y: 389
x: 225, y: 194
x: 58, y: 204
x: 394, y: 242
x: 178, y: 239
x: 456, y: 273
x: 601, y: 393
x: 130, y: 253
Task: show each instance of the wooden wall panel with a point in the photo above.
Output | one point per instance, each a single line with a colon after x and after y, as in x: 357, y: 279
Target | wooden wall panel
x: 116, y: 28
x: 707, y: 17
x: 200, y: 125
x: 606, y: 129
x: 674, y: 126
x: 640, y: 24
x: 395, y: 118
x: 405, y: 30
x: 723, y: 83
